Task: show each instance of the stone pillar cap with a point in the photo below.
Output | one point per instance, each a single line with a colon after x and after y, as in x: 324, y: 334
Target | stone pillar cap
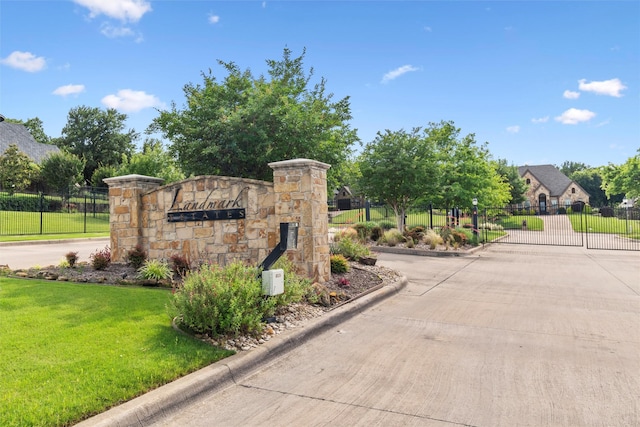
x: 132, y: 178
x: 298, y: 163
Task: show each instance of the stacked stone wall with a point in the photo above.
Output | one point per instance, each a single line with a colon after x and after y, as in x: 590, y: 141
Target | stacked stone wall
x: 189, y: 218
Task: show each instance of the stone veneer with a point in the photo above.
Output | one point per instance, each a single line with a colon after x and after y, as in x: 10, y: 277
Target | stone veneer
x: 139, y: 208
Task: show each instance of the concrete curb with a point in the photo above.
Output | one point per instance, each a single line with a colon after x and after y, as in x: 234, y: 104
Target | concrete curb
x: 418, y: 252
x: 162, y: 402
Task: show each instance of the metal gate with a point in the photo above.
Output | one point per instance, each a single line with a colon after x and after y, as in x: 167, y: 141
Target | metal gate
x: 606, y: 228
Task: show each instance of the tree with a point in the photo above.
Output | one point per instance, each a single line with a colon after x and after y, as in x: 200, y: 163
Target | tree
x: 591, y: 180
x: 97, y: 137
x: 35, y: 128
x: 398, y: 168
x: 238, y: 126
x: 60, y: 171
x: 101, y: 173
x: 510, y: 175
x: 152, y: 161
x: 568, y: 167
x: 624, y: 178
x: 17, y: 170
x: 465, y: 170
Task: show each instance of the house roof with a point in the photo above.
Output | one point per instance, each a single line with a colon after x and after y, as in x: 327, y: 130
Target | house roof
x: 551, y: 177
x: 14, y: 133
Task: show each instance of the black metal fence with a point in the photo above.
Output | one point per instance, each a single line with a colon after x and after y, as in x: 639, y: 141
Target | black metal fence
x: 577, y: 225
x: 78, y: 210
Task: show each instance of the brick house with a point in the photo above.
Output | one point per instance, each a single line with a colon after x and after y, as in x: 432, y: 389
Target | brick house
x: 550, y: 189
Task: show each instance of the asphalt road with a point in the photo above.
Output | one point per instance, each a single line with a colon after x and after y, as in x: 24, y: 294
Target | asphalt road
x: 511, y: 336
x: 20, y: 255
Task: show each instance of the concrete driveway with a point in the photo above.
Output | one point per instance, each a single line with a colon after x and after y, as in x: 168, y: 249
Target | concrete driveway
x: 511, y: 336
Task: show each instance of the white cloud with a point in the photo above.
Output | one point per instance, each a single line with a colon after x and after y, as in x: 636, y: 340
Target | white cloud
x: 570, y: 94
x: 606, y: 87
x: 574, y: 116
x: 394, y: 74
x: 25, y: 61
x: 513, y: 129
x: 544, y: 119
x: 131, y: 101
x: 69, y: 90
x: 214, y: 19
x: 123, y: 10
x: 115, y: 32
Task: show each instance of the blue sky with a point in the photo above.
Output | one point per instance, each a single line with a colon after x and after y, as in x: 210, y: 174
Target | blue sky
x: 542, y: 81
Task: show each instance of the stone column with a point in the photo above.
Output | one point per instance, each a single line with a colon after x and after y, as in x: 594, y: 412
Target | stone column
x: 125, y: 211
x: 300, y: 187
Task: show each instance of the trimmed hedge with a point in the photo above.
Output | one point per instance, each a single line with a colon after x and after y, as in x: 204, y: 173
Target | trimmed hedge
x: 26, y: 203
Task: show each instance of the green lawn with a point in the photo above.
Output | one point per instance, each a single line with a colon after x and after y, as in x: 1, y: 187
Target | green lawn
x: 377, y: 214
x: 70, y: 350
x: 24, y: 223
x: 534, y: 223
x: 598, y: 224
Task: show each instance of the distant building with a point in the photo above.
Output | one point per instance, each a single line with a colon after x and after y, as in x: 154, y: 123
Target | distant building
x: 14, y: 133
x: 344, y: 199
x: 550, y: 189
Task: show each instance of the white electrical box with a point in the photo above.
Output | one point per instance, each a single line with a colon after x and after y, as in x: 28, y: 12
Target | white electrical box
x: 273, y: 282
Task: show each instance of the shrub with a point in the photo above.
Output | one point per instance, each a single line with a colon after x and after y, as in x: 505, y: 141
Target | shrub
x: 348, y: 233
x: 222, y: 301
x: 364, y: 229
x: 136, y: 257
x: 490, y: 226
x: 415, y: 233
x: 386, y: 224
x: 350, y: 249
x: 72, y: 258
x: 461, y: 237
x: 606, y: 212
x: 155, y: 270
x: 376, y: 233
x: 296, y: 287
x: 100, y: 260
x: 339, y: 264
x: 562, y: 210
x: 180, y: 264
x: 433, y: 239
x: 391, y: 237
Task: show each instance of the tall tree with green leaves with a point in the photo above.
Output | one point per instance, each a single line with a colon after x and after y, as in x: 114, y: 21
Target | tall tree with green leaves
x: 237, y: 126
x: 465, y: 170
x: 624, y: 178
x: 60, y: 171
x: 591, y: 180
x: 96, y: 136
x: 35, y: 128
x: 154, y: 161
x: 510, y: 175
x: 569, y: 167
x: 17, y: 170
x: 398, y: 168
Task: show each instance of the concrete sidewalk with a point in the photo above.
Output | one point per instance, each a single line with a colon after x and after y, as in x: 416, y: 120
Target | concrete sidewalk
x: 512, y: 335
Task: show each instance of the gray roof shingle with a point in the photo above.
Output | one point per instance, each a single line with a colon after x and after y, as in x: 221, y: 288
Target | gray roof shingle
x: 14, y: 133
